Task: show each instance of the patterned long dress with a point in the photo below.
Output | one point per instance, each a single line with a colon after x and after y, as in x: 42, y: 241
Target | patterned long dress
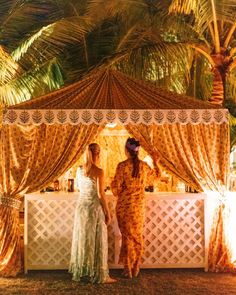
x: 130, y: 210
x: 89, y: 251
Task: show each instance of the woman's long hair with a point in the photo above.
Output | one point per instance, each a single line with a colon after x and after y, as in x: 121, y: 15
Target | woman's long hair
x: 92, y: 151
x: 132, y: 146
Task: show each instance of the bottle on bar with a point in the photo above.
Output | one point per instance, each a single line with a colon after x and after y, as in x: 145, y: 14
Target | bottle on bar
x: 71, y: 185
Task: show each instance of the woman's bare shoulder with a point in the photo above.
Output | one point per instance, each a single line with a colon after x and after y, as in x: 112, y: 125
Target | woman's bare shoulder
x: 99, y: 171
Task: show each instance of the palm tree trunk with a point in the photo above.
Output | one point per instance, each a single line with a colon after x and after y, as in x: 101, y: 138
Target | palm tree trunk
x: 217, y: 96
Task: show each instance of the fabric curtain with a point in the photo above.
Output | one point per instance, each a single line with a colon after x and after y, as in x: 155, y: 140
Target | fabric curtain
x: 219, y: 249
x: 30, y: 158
x: 199, y: 156
x: 10, y: 248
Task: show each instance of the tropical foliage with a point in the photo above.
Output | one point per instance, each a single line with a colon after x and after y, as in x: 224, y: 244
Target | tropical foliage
x: 184, y: 45
x: 213, y: 38
x: 32, y: 35
x: 73, y: 37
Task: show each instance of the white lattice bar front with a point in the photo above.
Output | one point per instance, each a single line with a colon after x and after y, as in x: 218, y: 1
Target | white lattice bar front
x: 173, y: 233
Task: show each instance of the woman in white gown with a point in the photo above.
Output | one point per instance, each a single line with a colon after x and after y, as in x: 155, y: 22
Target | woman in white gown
x: 89, y: 251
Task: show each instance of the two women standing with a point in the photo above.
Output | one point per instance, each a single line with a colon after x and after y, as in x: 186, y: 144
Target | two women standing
x: 89, y: 243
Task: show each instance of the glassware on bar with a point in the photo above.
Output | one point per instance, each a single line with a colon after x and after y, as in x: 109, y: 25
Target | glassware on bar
x: 56, y: 185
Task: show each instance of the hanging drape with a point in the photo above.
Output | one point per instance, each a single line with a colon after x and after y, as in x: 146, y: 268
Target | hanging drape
x: 195, y: 153
x: 30, y: 158
x: 198, y: 155
x: 219, y: 253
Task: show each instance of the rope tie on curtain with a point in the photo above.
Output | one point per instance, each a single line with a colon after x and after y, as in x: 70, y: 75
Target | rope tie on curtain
x: 10, y: 202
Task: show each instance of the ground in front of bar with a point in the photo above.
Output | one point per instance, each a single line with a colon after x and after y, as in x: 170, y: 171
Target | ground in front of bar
x: 150, y: 282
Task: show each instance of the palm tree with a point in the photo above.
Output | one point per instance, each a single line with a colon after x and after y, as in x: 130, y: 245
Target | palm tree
x: 192, y: 48
x: 75, y: 36
x: 85, y: 34
x: 140, y: 37
x: 213, y: 39
x: 134, y: 38
x: 184, y: 45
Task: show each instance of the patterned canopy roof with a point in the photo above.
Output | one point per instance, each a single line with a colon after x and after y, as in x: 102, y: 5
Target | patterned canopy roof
x: 110, y: 89
x: 108, y: 96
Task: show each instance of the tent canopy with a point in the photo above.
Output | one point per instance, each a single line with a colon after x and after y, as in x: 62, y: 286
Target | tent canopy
x: 190, y: 137
x: 107, y: 96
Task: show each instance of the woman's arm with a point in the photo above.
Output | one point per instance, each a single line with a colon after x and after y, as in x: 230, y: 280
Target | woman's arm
x: 156, y: 160
x: 102, y: 196
x: 151, y: 174
x: 117, y: 183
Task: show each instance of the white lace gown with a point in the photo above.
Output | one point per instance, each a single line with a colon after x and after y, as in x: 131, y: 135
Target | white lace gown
x: 89, y: 248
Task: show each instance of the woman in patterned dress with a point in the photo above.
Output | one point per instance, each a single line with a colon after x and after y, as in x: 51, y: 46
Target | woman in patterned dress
x: 89, y: 251
x: 132, y: 175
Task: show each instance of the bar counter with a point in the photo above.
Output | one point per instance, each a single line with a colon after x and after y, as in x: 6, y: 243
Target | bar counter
x: 174, y: 232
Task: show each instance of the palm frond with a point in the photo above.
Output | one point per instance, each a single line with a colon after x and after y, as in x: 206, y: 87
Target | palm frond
x: 232, y: 124
x: 100, y: 10
x: 183, y: 6
x: 6, y: 7
x: 202, y: 13
x: 162, y: 62
x: 24, y: 17
x: 31, y: 84
x: 231, y: 85
x: 51, y: 40
x: 8, y: 67
x: 200, y: 85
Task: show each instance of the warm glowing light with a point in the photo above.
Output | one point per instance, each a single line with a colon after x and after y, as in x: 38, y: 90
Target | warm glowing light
x: 229, y: 218
x: 111, y: 125
x: 230, y: 225
x: 148, y: 160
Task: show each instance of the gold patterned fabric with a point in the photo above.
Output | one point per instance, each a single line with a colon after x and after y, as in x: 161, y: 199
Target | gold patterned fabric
x: 130, y: 210
x: 108, y: 96
x: 30, y: 158
x: 199, y: 156
x: 10, y: 251
x: 219, y: 249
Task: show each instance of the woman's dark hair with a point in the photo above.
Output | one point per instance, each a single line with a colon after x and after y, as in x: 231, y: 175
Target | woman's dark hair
x: 132, y: 146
